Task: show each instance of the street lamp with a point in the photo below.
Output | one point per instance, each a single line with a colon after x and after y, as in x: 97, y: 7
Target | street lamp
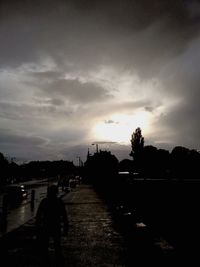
x: 97, y: 148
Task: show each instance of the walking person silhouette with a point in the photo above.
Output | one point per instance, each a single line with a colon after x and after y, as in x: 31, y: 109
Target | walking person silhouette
x: 51, y: 216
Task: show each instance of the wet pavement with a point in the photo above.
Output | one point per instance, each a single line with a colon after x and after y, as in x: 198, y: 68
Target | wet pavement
x: 94, y: 238
x: 23, y: 212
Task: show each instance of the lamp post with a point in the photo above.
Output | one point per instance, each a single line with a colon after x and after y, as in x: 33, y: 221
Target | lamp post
x: 97, y: 148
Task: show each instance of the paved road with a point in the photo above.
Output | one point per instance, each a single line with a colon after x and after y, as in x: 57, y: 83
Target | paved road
x: 20, y: 214
x: 17, y: 216
x: 93, y: 239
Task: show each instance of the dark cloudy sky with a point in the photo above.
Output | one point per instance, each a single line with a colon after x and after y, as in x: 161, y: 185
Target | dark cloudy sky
x: 75, y: 72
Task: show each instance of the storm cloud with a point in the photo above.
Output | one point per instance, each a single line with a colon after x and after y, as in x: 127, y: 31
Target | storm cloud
x: 67, y: 66
x: 76, y: 91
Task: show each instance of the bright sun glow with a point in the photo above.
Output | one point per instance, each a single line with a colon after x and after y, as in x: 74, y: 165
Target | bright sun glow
x: 119, y: 127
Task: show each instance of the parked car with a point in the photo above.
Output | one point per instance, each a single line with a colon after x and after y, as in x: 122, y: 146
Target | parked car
x: 15, y: 193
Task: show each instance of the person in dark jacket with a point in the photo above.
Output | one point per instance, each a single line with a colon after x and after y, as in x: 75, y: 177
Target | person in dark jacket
x: 51, y: 217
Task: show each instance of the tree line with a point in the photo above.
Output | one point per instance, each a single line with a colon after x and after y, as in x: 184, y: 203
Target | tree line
x: 147, y: 162
x: 11, y: 172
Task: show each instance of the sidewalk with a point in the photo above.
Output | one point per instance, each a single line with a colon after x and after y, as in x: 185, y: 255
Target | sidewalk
x: 93, y: 239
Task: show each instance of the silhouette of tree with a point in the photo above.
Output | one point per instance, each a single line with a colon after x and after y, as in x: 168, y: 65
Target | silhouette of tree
x: 148, y: 161
x: 163, y: 163
x: 101, y: 167
x: 179, y: 161
x: 3, y: 160
x: 42, y: 169
x: 137, y: 145
x: 3, y: 168
x: 193, y: 164
x: 126, y: 165
x: 137, y: 142
x: 184, y: 163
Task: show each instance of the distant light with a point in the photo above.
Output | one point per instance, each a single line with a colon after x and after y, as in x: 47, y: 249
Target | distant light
x: 140, y: 225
